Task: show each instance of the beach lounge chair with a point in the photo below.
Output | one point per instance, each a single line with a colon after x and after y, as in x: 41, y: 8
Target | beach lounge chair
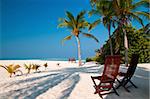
x: 130, y: 72
x: 108, y: 77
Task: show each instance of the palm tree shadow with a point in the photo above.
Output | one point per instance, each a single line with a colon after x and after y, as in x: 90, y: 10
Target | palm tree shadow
x: 74, y: 80
x: 32, y: 90
x: 38, y: 85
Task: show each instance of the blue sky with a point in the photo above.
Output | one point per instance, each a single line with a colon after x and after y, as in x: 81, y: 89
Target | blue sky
x: 29, y: 29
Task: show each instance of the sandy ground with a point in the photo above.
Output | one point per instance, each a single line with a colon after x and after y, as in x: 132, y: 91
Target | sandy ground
x: 66, y: 81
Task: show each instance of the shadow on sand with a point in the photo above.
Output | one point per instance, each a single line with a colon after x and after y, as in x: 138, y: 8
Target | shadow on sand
x: 30, y: 88
x: 141, y: 80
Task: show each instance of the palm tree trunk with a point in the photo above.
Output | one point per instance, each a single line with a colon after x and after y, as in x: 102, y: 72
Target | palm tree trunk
x: 110, y: 42
x: 126, y: 47
x: 79, y: 50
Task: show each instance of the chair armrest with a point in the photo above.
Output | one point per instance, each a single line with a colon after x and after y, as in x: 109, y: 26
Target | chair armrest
x: 122, y: 74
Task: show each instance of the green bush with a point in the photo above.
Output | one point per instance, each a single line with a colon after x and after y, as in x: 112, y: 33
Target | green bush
x: 89, y: 59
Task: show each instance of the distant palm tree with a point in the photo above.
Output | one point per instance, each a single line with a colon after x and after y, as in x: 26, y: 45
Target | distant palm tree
x: 45, y: 65
x: 28, y: 67
x: 35, y: 67
x: 12, y: 69
x: 76, y: 25
x: 103, y: 8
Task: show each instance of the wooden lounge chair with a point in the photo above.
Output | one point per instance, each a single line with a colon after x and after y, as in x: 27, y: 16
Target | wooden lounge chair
x: 130, y: 72
x: 108, y: 77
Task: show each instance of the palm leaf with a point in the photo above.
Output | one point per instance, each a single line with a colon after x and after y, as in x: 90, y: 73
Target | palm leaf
x: 16, y: 67
x: 94, y: 24
x: 66, y: 38
x: 135, y: 17
x: 94, y: 12
x: 82, y: 25
x: 144, y: 3
x: 90, y: 36
x: 65, y: 23
x: 80, y: 16
x: 71, y: 17
x: 144, y: 14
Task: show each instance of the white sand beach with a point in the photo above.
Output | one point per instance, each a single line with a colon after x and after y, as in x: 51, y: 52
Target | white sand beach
x: 66, y: 81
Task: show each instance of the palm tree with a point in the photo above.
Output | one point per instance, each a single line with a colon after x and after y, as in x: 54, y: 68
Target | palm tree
x: 28, y: 67
x: 45, y: 65
x: 35, y: 67
x: 12, y: 69
x: 103, y: 9
x: 76, y: 25
x: 125, y: 12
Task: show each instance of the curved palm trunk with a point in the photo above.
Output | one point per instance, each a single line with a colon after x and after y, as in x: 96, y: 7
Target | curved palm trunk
x: 110, y: 41
x: 126, y: 47
x: 79, y: 50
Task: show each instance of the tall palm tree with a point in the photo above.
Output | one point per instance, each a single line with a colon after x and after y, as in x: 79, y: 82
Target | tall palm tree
x: 125, y: 12
x: 103, y: 9
x: 76, y: 25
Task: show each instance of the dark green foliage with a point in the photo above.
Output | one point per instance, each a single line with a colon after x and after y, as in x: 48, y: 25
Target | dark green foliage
x: 138, y: 43
x: 89, y: 59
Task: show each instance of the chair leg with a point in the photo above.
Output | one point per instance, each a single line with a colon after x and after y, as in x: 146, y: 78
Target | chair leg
x: 95, y: 86
x: 120, y: 84
x: 100, y: 95
x: 133, y: 84
x: 115, y: 91
x: 123, y: 84
x: 93, y: 81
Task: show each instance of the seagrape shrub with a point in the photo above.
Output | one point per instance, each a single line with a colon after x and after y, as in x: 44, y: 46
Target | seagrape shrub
x: 89, y: 59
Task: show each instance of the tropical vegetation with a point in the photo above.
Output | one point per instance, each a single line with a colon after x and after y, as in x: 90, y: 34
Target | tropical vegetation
x: 119, y: 14
x: 76, y: 25
x: 45, y: 65
x: 138, y: 43
x: 28, y: 67
x: 12, y: 69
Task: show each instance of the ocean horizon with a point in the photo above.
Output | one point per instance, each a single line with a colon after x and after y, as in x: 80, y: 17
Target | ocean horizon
x: 48, y: 59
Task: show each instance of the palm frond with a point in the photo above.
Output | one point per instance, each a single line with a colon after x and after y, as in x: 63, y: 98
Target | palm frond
x: 80, y: 16
x: 90, y: 36
x: 144, y: 14
x: 135, y: 17
x: 66, y: 23
x: 144, y: 3
x: 94, y: 24
x: 66, y: 38
x: 15, y: 67
x: 71, y: 17
x: 94, y: 12
x: 82, y: 25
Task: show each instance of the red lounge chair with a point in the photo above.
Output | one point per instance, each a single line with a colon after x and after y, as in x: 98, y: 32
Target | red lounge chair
x: 108, y: 77
x: 130, y: 72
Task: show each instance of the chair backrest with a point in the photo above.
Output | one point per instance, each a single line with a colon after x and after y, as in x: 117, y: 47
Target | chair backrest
x: 111, y: 67
x: 133, y: 65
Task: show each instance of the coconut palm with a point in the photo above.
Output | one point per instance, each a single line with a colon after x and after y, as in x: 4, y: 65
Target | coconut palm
x: 35, y: 67
x: 125, y: 12
x: 103, y: 8
x: 76, y: 25
x: 45, y: 65
x: 12, y: 69
x: 28, y: 67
